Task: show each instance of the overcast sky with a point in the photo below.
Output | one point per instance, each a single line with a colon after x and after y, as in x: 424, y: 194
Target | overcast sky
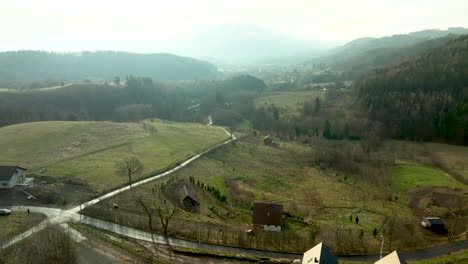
x: 154, y: 26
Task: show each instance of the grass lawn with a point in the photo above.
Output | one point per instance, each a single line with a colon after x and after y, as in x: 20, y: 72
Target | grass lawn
x: 16, y: 223
x: 408, y: 176
x: 87, y: 151
x: 288, y: 102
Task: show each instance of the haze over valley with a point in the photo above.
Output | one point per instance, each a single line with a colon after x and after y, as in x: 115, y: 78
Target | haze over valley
x: 234, y: 132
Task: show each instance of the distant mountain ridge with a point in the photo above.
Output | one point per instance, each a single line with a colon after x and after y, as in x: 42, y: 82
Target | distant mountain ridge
x: 362, y: 44
x: 360, y: 55
x: 25, y: 66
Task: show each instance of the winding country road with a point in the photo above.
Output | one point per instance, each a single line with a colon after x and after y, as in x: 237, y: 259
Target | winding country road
x: 62, y: 217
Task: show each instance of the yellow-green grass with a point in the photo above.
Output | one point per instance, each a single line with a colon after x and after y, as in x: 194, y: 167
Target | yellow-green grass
x: 454, y: 157
x: 408, y: 176
x: 88, y: 151
x: 16, y: 223
x: 281, y: 175
x: 288, y: 102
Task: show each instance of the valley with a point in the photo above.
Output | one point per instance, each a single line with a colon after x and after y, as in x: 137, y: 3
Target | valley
x: 356, y: 153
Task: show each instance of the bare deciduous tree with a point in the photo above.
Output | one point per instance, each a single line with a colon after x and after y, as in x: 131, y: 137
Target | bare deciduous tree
x: 161, y: 207
x: 129, y: 167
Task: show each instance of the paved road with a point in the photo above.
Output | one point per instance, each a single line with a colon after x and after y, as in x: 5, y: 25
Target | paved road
x: 154, y: 177
x: 193, y: 106
x: 62, y: 217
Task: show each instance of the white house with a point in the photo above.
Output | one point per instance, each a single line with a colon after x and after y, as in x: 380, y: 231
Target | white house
x: 11, y: 176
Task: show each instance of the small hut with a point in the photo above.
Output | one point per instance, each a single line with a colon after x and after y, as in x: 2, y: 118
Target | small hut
x: 188, y: 198
x: 268, y: 140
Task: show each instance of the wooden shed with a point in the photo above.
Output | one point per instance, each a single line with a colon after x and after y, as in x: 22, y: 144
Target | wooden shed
x: 187, y: 197
x: 268, y: 140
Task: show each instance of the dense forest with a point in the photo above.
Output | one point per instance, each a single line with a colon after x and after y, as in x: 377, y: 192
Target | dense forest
x: 35, y: 69
x: 139, y: 98
x: 423, y: 97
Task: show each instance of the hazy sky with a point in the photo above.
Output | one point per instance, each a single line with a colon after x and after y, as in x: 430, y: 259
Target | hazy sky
x: 162, y: 25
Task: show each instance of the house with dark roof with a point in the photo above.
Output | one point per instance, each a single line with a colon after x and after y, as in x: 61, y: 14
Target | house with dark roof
x: 268, y: 215
x: 319, y: 254
x: 392, y: 258
x: 11, y: 176
x: 187, y: 197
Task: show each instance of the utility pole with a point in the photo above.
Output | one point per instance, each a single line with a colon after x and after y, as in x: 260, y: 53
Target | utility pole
x: 381, y: 246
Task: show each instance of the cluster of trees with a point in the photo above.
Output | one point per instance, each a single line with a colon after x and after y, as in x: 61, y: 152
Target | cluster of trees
x: 213, y: 190
x: 327, y: 117
x: 141, y: 98
x: 19, y: 68
x: 424, y: 97
x: 229, y: 101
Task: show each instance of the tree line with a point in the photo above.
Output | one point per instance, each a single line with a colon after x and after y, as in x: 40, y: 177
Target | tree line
x: 29, y: 68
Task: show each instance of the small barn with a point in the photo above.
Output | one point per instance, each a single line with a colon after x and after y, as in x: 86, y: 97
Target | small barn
x: 319, y: 254
x: 10, y: 176
x: 187, y: 197
x: 268, y: 140
x: 433, y: 223
x: 268, y: 215
x: 392, y: 258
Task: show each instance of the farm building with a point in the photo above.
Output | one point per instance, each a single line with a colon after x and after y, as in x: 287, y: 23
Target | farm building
x: 431, y: 222
x: 392, y: 258
x: 268, y: 140
x: 268, y: 215
x: 319, y: 254
x: 187, y: 197
x: 11, y: 176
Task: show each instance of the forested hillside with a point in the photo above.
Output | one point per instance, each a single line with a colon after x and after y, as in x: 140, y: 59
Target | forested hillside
x: 33, y: 69
x: 139, y: 98
x: 423, y: 97
x: 361, y: 55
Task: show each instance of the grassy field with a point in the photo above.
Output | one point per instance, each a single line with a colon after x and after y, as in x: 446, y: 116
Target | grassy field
x: 247, y: 171
x: 87, y: 151
x: 408, y: 176
x: 288, y: 102
x: 320, y: 200
x: 408, y: 152
x: 455, y: 157
x: 16, y: 223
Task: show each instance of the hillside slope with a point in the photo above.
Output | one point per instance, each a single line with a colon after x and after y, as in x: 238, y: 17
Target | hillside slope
x: 424, y: 96
x: 17, y: 68
x: 87, y: 151
x: 361, y: 55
